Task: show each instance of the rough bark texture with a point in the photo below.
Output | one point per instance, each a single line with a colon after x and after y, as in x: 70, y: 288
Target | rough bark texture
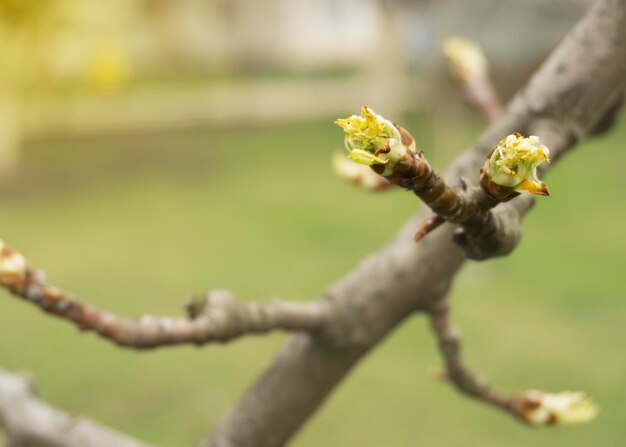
x: 571, y: 94
x: 28, y: 421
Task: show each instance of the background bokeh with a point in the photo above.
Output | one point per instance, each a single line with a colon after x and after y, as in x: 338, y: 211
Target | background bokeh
x: 152, y: 149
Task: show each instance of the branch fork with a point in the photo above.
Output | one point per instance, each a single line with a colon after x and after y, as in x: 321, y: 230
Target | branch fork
x: 509, y: 169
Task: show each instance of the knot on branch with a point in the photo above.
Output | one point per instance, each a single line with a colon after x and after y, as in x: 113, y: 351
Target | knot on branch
x: 487, y: 227
x: 202, y: 305
x: 497, y: 236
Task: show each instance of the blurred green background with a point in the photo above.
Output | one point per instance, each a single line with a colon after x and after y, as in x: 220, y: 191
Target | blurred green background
x: 136, y: 223
x: 150, y: 150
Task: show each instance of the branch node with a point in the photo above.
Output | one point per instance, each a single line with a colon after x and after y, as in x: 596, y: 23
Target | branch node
x: 429, y: 224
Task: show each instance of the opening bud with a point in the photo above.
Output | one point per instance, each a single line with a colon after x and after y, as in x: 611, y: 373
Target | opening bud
x: 513, y: 164
x: 565, y: 408
x: 372, y: 140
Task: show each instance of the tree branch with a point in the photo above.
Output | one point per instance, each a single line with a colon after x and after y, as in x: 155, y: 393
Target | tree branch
x: 456, y: 371
x: 30, y: 421
x: 470, y: 69
x: 504, y: 229
x: 482, y: 95
x: 586, y: 74
x: 531, y: 407
x: 484, y: 232
x: 217, y: 317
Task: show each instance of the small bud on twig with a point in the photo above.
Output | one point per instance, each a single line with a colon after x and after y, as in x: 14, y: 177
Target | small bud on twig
x: 13, y: 266
x: 565, y: 408
x: 372, y: 140
x: 359, y: 174
x: 470, y: 68
x: 511, y: 167
x: 466, y: 58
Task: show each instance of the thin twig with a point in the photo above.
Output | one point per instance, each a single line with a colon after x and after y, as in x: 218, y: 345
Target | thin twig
x: 481, y: 94
x: 432, y: 222
x: 531, y: 407
x: 218, y: 317
x: 520, y: 406
x: 463, y: 379
x: 470, y: 69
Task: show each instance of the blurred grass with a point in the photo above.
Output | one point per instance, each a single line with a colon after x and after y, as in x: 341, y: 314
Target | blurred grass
x: 136, y: 223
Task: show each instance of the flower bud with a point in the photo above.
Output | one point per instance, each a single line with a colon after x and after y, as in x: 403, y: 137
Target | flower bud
x: 513, y: 164
x: 466, y: 58
x: 566, y: 408
x: 357, y: 173
x: 372, y: 140
x: 12, y: 265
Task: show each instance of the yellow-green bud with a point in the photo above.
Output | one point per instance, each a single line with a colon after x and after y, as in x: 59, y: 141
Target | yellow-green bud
x: 466, y: 58
x: 372, y: 140
x: 566, y: 408
x: 513, y: 164
x: 12, y: 264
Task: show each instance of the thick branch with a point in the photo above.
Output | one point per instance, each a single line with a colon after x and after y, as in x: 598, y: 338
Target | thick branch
x: 29, y: 421
x: 584, y: 73
x: 218, y: 317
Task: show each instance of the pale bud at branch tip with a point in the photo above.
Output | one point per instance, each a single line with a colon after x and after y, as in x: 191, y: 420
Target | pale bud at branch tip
x: 12, y: 264
x: 466, y: 58
x: 565, y: 408
x: 357, y: 173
